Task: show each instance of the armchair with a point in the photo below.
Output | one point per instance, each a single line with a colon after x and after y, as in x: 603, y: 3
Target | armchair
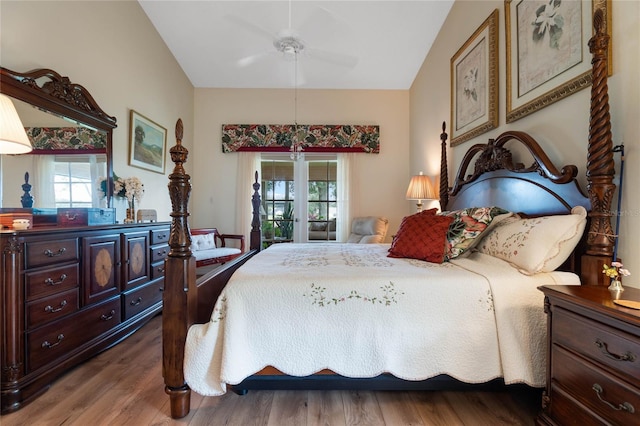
x: 368, y: 230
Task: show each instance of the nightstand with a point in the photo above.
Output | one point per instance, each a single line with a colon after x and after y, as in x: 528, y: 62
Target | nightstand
x: 593, y: 370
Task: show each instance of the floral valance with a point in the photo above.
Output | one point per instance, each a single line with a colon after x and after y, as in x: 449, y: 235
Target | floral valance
x: 70, y: 139
x: 311, y: 138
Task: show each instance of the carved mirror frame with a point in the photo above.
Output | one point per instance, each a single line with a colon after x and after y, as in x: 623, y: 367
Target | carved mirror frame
x: 47, y: 90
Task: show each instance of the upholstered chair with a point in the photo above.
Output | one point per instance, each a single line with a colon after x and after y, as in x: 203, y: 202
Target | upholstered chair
x: 368, y: 230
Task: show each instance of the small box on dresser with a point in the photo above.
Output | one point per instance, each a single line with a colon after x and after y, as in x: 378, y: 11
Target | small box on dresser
x: 593, y: 371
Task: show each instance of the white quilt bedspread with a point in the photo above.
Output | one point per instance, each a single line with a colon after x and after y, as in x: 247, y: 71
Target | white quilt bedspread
x: 349, y: 308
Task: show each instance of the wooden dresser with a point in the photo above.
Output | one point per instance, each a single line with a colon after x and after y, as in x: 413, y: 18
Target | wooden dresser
x: 593, y: 374
x: 69, y: 293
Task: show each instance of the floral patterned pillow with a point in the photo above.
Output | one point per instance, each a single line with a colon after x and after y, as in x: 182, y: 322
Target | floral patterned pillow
x: 468, y: 226
x: 538, y: 244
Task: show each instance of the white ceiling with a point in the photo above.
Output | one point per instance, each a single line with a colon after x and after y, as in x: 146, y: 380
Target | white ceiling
x: 358, y: 44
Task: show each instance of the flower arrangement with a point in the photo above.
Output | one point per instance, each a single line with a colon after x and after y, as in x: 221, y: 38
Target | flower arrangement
x: 615, y: 270
x: 130, y: 188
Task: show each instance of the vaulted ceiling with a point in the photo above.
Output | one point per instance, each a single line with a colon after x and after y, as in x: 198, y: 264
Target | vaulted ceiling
x: 358, y: 44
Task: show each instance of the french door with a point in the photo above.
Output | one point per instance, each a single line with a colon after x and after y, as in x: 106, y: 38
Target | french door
x: 299, y: 198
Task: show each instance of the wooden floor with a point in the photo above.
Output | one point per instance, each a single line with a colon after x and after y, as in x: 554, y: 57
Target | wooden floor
x: 124, y: 386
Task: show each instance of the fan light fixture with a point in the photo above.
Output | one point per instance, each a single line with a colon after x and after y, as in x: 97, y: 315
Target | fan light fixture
x: 421, y: 188
x: 293, y: 45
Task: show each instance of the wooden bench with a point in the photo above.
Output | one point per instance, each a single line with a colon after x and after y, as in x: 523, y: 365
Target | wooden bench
x: 210, y: 247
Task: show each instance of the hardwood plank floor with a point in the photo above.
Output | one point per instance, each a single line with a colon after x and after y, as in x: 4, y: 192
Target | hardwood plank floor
x: 124, y: 386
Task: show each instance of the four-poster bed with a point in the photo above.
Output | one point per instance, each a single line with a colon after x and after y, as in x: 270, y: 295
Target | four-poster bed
x: 488, y: 176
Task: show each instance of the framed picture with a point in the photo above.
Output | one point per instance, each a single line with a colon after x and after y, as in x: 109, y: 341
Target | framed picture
x: 147, y: 143
x: 548, y: 54
x: 474, y: 83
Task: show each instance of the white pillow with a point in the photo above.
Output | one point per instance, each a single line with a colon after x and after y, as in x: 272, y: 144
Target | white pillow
x: 202, y: 242
x: 539, y: 244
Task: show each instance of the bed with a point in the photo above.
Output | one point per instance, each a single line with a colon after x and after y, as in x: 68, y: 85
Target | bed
x: 474, y: 318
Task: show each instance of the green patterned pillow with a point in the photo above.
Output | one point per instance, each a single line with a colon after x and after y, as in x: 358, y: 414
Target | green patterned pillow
x: 468, y: 226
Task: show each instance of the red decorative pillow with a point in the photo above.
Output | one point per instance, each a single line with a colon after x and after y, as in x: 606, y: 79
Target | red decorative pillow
x: 421, y: 236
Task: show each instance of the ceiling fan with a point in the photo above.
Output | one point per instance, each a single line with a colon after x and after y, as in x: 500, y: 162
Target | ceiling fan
x: 291, y: 46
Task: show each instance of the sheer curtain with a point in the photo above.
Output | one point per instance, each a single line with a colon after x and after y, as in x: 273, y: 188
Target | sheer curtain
x: 248, y: 164
x: 346, y: 166
x: 43, y: 190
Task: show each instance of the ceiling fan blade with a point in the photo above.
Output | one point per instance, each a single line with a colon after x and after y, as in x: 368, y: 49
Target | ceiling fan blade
x: 251, y: 27
x: 341, y: 59
x: 252, y: 59
x: 322, y: 23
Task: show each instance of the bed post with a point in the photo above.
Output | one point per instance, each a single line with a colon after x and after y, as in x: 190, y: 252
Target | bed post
x: 444, y: 170
x: 180, y: 291
x: 600, y: 164
x: 255, y: 237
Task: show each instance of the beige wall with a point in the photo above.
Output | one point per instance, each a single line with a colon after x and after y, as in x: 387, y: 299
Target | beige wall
x: 562, y: 128
x: 381, y: 179
x: 113, y: 50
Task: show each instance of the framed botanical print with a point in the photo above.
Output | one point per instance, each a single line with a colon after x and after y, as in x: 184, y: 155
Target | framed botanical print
x: 147, y: 143
x: 547, y: 51
x: 474, y: 83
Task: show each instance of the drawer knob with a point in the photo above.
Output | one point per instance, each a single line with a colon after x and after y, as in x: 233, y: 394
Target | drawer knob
x: 605, y: 350
x: 625, y: 406
x: 107, y: 317
x: 136, y: 302
x: 50, y: 253
x: 50, y: 281
x: 53, y: 310
x: 48, y: 345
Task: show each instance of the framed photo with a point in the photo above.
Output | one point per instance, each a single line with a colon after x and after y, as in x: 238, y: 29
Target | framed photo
x: 147, y: 143
x: 474, y: 83
x: 548, y: 54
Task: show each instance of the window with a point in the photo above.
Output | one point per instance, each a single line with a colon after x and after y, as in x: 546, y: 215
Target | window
x: 278, y: 194
x: 73, y: 180
x: 288, y: 186
x: 322, y: 198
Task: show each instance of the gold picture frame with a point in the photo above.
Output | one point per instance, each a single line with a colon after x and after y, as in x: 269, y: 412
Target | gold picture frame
x: 147, y: 143
x: 474, y: 83
x: 547, y: 61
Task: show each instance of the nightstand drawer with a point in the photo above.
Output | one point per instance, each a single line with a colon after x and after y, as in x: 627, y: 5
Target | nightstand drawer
x: 599, y: 342
x: 614, y: 400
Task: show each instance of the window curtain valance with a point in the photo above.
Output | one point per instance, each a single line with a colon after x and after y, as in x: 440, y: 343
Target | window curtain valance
x: 66, y: 139
x: 312, y: 138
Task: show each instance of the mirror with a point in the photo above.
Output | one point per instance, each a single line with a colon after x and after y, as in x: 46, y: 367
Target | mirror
x: 48, y: 103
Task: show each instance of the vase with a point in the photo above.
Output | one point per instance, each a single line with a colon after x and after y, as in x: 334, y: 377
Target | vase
x: 616, y: 286
x: 131, y: 213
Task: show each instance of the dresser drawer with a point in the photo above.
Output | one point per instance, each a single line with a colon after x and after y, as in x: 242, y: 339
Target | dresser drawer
x: 141, y: 298
x: 157, y: 270
x: 51, y: 308
x: 613, y: 399
x: 603, y: 344
x: 159, y: 236
x: 60, y: 338
x: 51, y: 280
x: 159, y: 253
x: 43, y: 253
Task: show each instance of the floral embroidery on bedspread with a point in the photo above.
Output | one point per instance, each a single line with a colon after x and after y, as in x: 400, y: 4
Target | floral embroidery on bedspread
x: 320, y: 255
x: 220, y: 310
x: 488, y: 302
x: 389, y: 295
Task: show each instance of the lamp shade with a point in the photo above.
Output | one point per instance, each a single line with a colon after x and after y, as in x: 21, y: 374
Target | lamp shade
x: 421, y: 188
x: 13, y: 138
